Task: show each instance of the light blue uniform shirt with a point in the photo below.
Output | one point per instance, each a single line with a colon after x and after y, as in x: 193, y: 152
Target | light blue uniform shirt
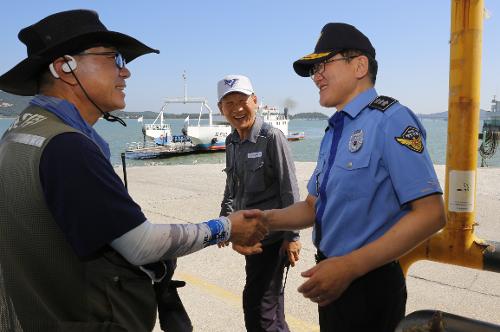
x: 381, y: 165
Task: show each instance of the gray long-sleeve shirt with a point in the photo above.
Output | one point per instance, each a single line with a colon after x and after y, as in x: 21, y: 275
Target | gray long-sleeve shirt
x: 260, y: 174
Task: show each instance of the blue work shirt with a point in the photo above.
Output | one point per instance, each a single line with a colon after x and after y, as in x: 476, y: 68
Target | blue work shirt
x: 381, y: 165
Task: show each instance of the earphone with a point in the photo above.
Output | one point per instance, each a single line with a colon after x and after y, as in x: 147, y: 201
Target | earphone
x: 68, y: 66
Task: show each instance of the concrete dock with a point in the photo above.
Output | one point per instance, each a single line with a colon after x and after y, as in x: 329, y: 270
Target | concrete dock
x: 215, y: 277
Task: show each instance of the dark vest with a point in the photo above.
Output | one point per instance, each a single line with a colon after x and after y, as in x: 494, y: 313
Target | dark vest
x: 50, y: 287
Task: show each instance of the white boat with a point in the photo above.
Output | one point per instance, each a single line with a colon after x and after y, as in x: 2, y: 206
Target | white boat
x: 272, y: 115
x: 296, y: 136
x: 140, y: 119
x: 203, y: 135
x: 158, y: 130
x: 207, y: 136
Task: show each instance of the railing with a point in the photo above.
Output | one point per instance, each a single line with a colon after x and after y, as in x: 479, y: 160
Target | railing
x: 438, y: 321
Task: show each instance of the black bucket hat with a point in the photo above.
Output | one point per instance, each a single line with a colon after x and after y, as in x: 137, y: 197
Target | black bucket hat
x: 334, y: 38
x: 63, y: 33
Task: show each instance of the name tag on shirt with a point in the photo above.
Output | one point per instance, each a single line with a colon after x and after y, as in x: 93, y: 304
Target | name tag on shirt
x: 253, y: 155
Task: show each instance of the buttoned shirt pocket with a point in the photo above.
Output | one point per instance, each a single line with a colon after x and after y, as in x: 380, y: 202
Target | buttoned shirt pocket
x: 352, y: 176
x: 254, y: 175
x: 316, y: 177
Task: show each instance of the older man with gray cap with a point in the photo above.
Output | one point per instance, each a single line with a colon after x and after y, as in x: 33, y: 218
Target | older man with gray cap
x: 260, y: 175
x: 373, y: 196
x: 76, y: 252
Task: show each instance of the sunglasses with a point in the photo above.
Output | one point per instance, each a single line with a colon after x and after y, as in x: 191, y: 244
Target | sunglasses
x: 120, y: 62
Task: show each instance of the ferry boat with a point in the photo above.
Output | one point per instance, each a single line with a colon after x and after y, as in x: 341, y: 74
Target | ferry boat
x: 272, y: 116
x: 204, y: 136
x: 209, y: 136
x: 493, y: 121
x: 158, y: 130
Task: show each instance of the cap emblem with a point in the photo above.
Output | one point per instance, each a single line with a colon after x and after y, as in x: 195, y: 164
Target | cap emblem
x: 315, y: 56
x: 231, y: 83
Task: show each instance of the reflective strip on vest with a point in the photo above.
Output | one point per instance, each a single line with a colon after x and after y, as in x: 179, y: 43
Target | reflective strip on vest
x: 27, y: 139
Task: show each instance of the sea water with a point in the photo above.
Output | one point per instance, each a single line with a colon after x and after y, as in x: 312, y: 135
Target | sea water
x: 120, y: 138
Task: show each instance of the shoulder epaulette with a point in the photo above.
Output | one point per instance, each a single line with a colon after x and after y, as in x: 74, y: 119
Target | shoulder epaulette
x: 382, y: 103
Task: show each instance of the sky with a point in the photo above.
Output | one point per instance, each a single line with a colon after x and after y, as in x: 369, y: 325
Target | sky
x: 262, y: 38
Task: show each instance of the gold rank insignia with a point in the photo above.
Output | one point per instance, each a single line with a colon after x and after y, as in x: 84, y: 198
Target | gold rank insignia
x: 412, y: 139
x: 313, y: 56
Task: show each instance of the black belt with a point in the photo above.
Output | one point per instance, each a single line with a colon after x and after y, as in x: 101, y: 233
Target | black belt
x: 319, y: 256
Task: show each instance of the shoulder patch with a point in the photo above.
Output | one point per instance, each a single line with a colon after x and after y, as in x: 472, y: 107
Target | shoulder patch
x: 412, y: 139
x: 382, y: 103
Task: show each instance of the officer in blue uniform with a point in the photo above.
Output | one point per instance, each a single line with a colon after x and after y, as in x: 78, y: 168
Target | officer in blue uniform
x: 373, y: 196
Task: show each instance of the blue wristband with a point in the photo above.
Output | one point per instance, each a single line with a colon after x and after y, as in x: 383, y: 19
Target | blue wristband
x: 217, y: 232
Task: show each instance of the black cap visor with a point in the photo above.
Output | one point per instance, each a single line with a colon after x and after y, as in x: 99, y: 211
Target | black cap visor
x: 304, y: 65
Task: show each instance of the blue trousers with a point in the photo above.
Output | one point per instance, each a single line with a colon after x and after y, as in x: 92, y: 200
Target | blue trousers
x: 263, y: 301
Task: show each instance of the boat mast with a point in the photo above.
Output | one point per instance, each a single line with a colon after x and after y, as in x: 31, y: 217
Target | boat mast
x: 188, y: 100
x: 184, y: 77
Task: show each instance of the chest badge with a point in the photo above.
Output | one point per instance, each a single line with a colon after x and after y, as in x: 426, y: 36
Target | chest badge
x: 412, y: 139
x: 356, y: 140
x: 253, y: 155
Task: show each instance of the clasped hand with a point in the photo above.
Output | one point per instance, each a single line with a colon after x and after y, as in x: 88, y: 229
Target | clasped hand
x: 247, y: 229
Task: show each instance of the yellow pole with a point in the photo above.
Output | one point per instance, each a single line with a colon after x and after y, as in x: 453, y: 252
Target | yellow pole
x: 456, y: 243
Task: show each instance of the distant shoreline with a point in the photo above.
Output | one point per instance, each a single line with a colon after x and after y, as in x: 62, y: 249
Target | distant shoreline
x: 175, y: 118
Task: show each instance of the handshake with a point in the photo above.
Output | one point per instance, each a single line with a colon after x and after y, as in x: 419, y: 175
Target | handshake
x: 248, y: 227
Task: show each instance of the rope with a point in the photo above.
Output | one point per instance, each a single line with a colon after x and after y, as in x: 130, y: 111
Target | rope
x: 489, y: 144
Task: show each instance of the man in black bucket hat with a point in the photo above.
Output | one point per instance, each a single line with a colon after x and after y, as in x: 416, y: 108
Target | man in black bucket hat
x: 76, y: 252
x: 373, y: 196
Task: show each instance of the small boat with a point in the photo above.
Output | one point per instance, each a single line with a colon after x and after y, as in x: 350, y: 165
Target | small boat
x: 207, y: 136
x: 296, y: 136
x: 158, y: 130
x: 140, y: 119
